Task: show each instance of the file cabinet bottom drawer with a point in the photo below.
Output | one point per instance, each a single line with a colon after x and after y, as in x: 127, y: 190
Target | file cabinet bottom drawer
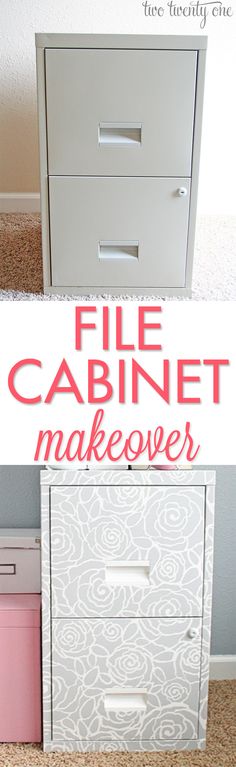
x: 121, y: 232
x: 124, y: 680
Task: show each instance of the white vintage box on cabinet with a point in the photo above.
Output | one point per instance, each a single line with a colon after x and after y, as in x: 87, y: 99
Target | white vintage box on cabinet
x: 126, y: 580
x: 20, y: 561
x: 119, y: 125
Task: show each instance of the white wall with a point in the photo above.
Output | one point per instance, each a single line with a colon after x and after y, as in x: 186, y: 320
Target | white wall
x: 20, y: 19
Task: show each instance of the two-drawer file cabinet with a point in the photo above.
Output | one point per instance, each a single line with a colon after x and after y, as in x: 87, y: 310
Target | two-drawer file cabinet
x: 119, y: 125
x: 126, y: 579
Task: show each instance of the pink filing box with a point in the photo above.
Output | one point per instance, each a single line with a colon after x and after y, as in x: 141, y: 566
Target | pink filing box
x: 20, y: 668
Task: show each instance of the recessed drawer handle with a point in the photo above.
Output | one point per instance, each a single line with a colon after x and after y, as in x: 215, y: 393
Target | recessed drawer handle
x: 129, y: 573
x: 120, y: 134
x: 122, y: 700
x: 118, y: 250
x: 7, y: 569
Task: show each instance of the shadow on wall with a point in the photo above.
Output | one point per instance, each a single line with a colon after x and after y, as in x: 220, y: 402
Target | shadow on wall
x: 19, y: 165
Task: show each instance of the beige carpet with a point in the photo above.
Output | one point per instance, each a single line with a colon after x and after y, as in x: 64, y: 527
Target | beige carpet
x: 220, y: 752
x: 20, y: 249
x: 214, y: 275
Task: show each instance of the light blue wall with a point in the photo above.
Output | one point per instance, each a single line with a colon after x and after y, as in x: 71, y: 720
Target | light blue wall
x: 20, y: 507
x: 19, y: 496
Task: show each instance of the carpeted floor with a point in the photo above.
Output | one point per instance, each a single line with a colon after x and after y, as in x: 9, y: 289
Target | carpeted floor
x: 20, y: 249
x: 220, y: 751
x: 214, y: 274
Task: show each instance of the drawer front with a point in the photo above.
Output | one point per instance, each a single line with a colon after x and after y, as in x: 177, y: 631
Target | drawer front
x: 127, y: 550
x: 19, y: 571
x: 120, y: 112
x: 118, y: 232
x: 126, y: 679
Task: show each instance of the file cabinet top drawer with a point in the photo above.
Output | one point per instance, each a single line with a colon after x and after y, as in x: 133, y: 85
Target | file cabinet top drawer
x: 120, y: 112
x: 127, y: 551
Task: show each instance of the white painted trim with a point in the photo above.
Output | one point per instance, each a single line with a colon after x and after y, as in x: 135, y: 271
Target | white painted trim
x: 223, y: 667
x: 19, y: 202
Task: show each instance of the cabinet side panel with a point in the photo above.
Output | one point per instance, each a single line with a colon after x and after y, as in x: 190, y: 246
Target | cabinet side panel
x: 46, y: 613
x: 195, y: 162
x: 44, y: 202
x: 207, y: 601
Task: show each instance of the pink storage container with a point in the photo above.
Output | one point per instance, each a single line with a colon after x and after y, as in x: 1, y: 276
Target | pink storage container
x: 20, y: 668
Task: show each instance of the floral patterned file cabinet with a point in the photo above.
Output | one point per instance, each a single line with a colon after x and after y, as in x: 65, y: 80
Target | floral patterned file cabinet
x: 126, y: 579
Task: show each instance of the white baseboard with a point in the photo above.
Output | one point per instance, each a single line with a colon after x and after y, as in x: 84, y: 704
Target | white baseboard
x: 19, y: 202
x: 223, y: 667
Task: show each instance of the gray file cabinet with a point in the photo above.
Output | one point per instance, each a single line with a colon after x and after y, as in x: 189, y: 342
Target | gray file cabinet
x: 119, y: 125
x: 126, y: 580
